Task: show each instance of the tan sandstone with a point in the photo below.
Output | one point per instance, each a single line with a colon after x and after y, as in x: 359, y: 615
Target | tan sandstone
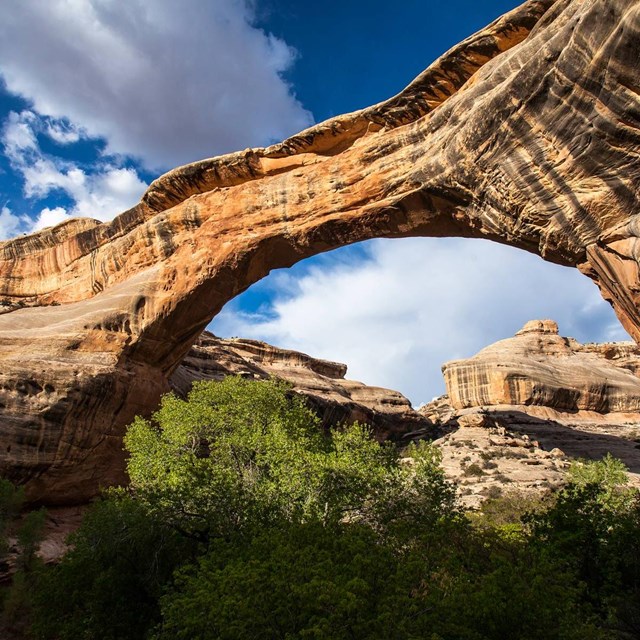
x: 539, y: 367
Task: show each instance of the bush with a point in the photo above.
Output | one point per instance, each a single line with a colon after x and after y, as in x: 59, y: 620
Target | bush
x: 593, y: 528
x: 473, y: 470
x: 108, y: 585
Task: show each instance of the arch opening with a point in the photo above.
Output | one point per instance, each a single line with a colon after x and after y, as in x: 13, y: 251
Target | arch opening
x: 395, y: 310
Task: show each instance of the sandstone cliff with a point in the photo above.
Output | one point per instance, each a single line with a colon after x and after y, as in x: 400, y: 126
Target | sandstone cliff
x: 539, y: 367
x: 522, y: 409
x: 526, y: 133
x: 323, y: 384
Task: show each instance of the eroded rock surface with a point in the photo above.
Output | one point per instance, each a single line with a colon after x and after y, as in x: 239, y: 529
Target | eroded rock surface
x: 522, y: 409
x: 490, y: 451
x: 526, y: 133
x: 323, y: 383
x: 539, y: 367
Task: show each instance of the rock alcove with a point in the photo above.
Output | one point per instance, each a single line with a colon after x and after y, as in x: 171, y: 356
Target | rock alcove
x: 526, y: 133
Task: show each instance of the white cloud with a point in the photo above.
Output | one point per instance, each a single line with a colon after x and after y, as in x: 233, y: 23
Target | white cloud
x: 49, y: 218
x: 63, y: 133
x: 102, y: 193
x: 10, y: 224
x: 20, y: 129
x: 168, y: 82
x: 18, y: 135
x: 413, y: 304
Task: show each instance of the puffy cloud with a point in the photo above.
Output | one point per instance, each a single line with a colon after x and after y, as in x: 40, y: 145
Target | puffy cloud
x: 49, y: 218
x: 413, y: 304
x: 10, y: 224
x: 111, y: 191
x: 168, y: 82
x: 101, y: 193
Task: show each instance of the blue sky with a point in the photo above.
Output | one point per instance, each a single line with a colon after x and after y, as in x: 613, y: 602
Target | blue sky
x: 98, y: 97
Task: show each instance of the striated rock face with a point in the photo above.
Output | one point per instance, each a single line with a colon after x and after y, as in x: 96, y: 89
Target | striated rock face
x: 335, y: 399
x: 539, y: 367
x: 526, y: 133
x: 520, y: 410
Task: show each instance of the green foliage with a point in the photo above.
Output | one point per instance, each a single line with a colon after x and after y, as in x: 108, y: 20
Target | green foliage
x: 309, y: 581
x: 29, y: 536
x: 609, y: 474
x: 592, y: 529
x: 299, y: 581
x: 240, y: 455
x: 11, y: 501
x: 415, y: 499
x: 26, y: 531
x: 245, y: 520
x: 108, y: 585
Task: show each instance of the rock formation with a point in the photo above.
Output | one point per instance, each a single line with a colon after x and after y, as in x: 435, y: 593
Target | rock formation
x: 539, y: 367
x: 521, y: 409
x: 335, y: 399
x: 526, y: 133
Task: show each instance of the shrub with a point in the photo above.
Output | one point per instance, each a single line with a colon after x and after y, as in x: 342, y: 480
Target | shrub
x: 473, y: 470
x: 108, y: 585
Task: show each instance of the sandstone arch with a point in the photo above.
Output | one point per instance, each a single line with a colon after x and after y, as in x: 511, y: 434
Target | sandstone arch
x: 526, y: 133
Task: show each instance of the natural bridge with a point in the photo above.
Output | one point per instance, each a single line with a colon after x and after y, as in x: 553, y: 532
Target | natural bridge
x: 526, y: 133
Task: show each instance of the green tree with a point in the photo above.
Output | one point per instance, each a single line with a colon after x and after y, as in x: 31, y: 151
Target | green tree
x: 218, y: 476
x: 592, y: 529
x: 109, y: 583
x: 297, y: 581
x: 241, y: 454
x: 609, y: 475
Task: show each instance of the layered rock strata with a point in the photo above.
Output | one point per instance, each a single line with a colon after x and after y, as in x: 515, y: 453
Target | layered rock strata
x: 526, y: 133
x: 522, y: 409
x: 539, y: 367
x: 323, y: 383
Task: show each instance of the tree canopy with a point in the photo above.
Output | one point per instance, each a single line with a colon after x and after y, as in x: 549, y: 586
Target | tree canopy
x: 244, y: 519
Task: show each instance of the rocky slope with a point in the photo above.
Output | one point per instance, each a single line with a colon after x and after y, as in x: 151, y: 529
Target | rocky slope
x: 335, y: 399
x: 520, y: 410
x: 526, y: 133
